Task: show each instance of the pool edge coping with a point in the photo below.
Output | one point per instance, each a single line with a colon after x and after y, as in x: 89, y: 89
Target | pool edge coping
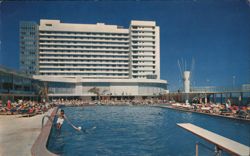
x: 39, y: 148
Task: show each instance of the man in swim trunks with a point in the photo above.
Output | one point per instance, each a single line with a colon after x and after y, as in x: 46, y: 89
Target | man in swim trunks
x: 60, y: 119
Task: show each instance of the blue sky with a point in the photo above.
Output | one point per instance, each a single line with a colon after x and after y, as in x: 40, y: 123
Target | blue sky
x: 216, y: 33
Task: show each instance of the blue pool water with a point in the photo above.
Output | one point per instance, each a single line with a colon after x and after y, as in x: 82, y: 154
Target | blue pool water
x: 139, y: 131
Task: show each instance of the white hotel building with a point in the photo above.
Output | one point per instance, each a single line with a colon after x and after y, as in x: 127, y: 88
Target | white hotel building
x: 74, y: 58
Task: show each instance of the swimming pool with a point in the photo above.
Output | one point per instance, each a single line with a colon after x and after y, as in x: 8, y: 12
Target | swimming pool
x: 124, y: 130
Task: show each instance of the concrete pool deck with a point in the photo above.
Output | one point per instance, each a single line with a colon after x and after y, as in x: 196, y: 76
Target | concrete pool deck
x: 18, y: 134
x: 209, y: 114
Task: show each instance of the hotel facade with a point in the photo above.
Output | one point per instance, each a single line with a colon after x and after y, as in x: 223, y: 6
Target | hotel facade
x: 73, y: 58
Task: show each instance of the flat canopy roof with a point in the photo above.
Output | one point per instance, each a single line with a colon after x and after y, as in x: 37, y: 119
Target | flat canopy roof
x: 224, y: 143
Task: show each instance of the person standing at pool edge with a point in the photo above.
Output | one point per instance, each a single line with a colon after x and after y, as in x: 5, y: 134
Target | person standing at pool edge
x: 60, y: 119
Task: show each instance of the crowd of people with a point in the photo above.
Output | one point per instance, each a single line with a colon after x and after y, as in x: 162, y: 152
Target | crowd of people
x: 25, y: 108
x: 227, y: 109
x: 113, y: 102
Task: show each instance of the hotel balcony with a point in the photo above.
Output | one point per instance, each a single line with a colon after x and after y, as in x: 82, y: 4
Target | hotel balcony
x: 87, y: 45
x: 143, y: 59
x: 82, y: 53
x: 143, y: 54
x: 88, y: 76
x: 142, y: 74
x: 79, y: 35
x: 142, y: 39
x: 143, y: 44
x: 86, y: 72
x: 143, y: 69
x: 142, y: 29
x: 81, y: 58
x: 83, y: 62
x: 86, y: 49
x: 143, y: 49
x: 82, y: 67
x: 143, y: 34
x: 143, y: 64
x: 83, y: 40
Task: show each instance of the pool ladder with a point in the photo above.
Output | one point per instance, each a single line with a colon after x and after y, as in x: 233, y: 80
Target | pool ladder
x: 49, y: 117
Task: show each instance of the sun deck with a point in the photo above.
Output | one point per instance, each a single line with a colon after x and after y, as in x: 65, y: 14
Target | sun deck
x: 223, y: 143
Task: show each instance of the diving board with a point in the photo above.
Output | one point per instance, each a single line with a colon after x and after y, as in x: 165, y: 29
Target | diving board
x: 223, y: 143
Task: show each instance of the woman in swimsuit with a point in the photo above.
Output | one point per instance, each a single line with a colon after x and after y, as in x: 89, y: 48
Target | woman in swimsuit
x: 60, y: 119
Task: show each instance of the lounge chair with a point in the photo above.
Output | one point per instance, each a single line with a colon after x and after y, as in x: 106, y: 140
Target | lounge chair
x: 241, y: 114
x: 29, y: 114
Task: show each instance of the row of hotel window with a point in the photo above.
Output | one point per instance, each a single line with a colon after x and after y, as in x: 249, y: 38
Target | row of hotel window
x: 93, y: 34
x: 81, y: 65
x: 83, y: 51
x: 100, y: 35
x: 28, y: 52
x: 28, y: 42
x: 95, y: 47
x: 85, y: 42
x: 92, y: 52
x: 88, y: 65
x: 32, y: 62
x: 32, y: 42
x: 83, y: 69
x: 142, y: 32
x: 91, y: 42
x: 86, y: 46
x: 28, y: 33
x: 79, y: 61
x: 95, y: 56
x: 142, y: 27
x: 77, y: 46
x: 137, y: 71
x: 97, y: 38
x: 28, y: 27
x: 85, y: 74
x: 70, y: 37
x: 88, y: 38
x: 83, y: 33
x: 120, y: 73
x: 94, y: 61
x: 86, y: 56
x: 45, y: 67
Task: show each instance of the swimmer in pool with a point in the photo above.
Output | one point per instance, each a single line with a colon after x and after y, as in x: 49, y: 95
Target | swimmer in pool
x: 60, y: 119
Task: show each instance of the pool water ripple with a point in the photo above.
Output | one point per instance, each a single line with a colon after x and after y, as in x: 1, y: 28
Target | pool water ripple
x: 139, y: 131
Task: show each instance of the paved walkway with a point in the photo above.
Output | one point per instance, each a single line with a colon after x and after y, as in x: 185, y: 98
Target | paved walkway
x: 17, y: 134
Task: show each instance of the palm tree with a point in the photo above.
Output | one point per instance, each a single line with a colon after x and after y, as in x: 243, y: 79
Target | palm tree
x: 43, y: 91
x: 96, y: 91
x: 106, y: 93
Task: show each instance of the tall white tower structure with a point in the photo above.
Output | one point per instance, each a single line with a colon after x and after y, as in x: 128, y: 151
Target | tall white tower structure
x: 186, y: 81
x: 186, y: 74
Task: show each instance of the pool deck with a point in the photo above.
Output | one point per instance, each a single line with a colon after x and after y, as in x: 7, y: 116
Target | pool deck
x: 224, y: 143
x: 39, y: 148
x: 216, y: 115
x: 18, y: 134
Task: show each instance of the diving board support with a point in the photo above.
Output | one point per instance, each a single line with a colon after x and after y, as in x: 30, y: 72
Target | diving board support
x: 220, y: 142
x: 197, y: 149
